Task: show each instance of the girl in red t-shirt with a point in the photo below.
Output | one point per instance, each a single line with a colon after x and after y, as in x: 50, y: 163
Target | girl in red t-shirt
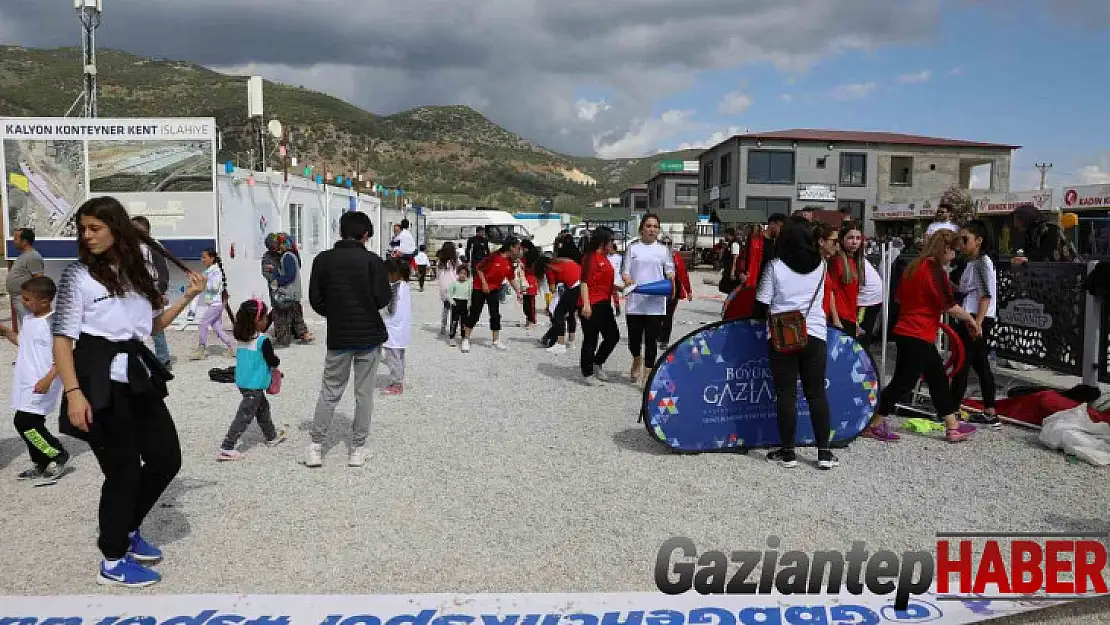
x: 925, y: 293
x: 489, y: 275
x: 598, y: 316
x: 845, y: 279
x: 566, y: 272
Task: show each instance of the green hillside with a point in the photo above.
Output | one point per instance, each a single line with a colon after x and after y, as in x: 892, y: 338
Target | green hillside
x: 452, y: 153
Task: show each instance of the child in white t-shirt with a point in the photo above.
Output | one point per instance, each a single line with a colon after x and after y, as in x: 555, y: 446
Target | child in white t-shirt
x: 422, y: 262
x: 398, y: 321
x: 36, y: 387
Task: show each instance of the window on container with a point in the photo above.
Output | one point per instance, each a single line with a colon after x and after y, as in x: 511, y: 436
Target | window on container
x: 641, y: 202
x: 686, y: 194
x: 853, y: 170
x: 726, y: 169
x: 901, y: 171
x: 770, y: 167
x: 294, y: 222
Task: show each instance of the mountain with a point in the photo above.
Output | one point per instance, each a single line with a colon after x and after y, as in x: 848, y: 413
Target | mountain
x: 451, y: 153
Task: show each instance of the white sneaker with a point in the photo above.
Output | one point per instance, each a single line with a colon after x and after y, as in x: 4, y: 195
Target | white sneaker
x: 498, y: 344
x: 557, y: 348
x: 452, y: 343
x: 600, y: 374
x: 465, y: 345
x: 592, y: 380
x: 357, y: 457
x: 314, y: 456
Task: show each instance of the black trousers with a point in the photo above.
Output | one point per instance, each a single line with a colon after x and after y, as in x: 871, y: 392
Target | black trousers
x: 563, y: 319
x: 458, y: 315
x: 977, y: 357
x: 479, y: 300
x: 668, y: 323
x: 870, y: 318
x: 643, y: 331
x: 530, y: 308
x: 916, y: 358
x: 43, y: 446
x: 809, y: 365
x: 255, y: 405
x: 602, y: 321
x: 137, y: 447
x: 421, y: 273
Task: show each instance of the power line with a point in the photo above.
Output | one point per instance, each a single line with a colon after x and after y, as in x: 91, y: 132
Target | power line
x: 1043, y: 167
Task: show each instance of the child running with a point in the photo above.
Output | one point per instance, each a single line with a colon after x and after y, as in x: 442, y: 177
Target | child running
x: 422, y: 262
x: 460, y: 297
x: 399, y: 324
x: 36, y: 387
x: 215, y: 296
x: 255, y: 362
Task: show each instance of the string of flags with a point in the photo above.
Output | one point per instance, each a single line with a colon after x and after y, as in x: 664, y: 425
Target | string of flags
x: 338, y: 180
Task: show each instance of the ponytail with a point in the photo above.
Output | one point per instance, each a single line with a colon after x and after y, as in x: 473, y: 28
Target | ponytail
x: 224, y: 296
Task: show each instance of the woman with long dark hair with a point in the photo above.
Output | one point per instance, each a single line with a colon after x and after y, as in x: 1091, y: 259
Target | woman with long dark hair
x: 793, y: 285
x: 924, y: 294
x: 489, y: 275
x: 979, y: 288
x: 565, y: 272
x: 114, y: 386
x: 645, y: 261
x: 845, y: 279
x: 598, y: 317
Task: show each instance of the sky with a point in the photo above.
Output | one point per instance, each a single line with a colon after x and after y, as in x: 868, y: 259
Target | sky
x: 630, y: 78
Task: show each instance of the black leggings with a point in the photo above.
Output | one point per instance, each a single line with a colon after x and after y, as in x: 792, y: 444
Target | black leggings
x: 563, y: 319
x: 530, y: 308
x: 809, y: 365
x: 136, y: 444
x: 458, y: 315
x: 870, y: 318
x: 601, y: 322
x: 668, y: 323
x: 976, y: 356
x: 644, y: 330
x: 478, y: 300
x: 916, y: 358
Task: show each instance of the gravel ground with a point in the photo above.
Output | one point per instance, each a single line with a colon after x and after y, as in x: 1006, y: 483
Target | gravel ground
x: 504, y: 473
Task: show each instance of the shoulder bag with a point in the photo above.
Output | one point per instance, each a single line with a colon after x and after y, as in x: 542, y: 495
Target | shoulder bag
x: 788, y: 330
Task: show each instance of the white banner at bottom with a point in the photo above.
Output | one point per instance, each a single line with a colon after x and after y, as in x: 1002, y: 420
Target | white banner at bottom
x: 642, y: 608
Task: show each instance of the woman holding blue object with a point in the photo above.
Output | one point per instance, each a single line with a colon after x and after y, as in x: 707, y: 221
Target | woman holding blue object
x: 646, y: 261
x: 789, y: 292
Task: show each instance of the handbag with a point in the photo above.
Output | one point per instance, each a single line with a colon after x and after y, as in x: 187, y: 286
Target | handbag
x: 275, y: 382
x: 788, y: 330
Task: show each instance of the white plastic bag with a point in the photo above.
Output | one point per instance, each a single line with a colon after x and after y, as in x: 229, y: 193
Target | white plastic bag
x: 1073, y: 432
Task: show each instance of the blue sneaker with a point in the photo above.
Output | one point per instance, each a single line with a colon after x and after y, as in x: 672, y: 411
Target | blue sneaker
x: 142, y: 551
x: 128, y: 573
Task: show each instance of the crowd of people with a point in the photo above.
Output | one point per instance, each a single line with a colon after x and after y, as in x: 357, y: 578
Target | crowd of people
x: 82, y: 341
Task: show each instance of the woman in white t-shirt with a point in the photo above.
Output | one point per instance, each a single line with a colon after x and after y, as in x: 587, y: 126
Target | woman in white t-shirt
x: 114, y: 388
x: 979, y: 288
x: 645, y: 261
x: 870, y: 302
x: 796, y: 281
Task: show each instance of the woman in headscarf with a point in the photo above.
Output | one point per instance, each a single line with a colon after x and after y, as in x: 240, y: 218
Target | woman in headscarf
x: 281, y: 269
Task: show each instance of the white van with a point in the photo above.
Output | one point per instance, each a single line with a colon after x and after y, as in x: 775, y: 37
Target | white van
x: 459, y: 225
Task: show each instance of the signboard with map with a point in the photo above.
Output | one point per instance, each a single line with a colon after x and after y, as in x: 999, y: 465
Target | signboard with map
x: 163, y: 169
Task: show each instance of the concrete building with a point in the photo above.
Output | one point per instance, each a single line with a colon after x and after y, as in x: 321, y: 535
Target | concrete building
x: 635, y: 197
x: 673, y: 189
x: 853, y: 172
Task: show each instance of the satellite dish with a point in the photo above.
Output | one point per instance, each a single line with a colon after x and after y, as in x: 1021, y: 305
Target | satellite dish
x: 275, y: 128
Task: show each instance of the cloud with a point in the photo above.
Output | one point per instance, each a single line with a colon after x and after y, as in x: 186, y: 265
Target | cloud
x: 588, y: 110
x: 957, y: 71
x: 853, y: 91
x: 786, y: 97
x: 520, y: 62
x: 924, y: 75
x: 735, y: 103
x: 644, y: 135
x: 1095, y: 173
x: 711, y: 140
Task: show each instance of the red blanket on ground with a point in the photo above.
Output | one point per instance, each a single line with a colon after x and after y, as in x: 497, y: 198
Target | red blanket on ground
x: 1034, y: 407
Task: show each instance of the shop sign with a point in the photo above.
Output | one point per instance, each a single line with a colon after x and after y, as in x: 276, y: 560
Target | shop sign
x: 817, y: 192
x: 926, y: 209
x: 892, y: 211
x: 1005, y: 203
x: 1090, y: 196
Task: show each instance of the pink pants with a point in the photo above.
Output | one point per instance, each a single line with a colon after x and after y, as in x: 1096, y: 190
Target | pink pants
x: 213, y: 318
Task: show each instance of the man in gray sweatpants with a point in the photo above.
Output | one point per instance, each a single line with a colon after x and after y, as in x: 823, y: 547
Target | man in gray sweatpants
x: 349, y: 287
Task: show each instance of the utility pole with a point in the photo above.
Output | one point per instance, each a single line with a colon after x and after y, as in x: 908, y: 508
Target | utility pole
x: 89, y: 11
x: 1044, y: 167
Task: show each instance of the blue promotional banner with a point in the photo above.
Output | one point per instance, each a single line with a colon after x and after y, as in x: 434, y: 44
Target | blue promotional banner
x: 713, y: 391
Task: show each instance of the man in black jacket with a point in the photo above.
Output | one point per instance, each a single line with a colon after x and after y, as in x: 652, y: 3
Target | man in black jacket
x: 477, y: 247
x: 349, y: 287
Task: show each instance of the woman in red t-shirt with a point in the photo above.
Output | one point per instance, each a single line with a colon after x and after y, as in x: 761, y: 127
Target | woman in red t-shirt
x: 564, y: 271
x: 924, y: 294
x: 489, y: 275
x: 598, y: 316
x: 845, y: 279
